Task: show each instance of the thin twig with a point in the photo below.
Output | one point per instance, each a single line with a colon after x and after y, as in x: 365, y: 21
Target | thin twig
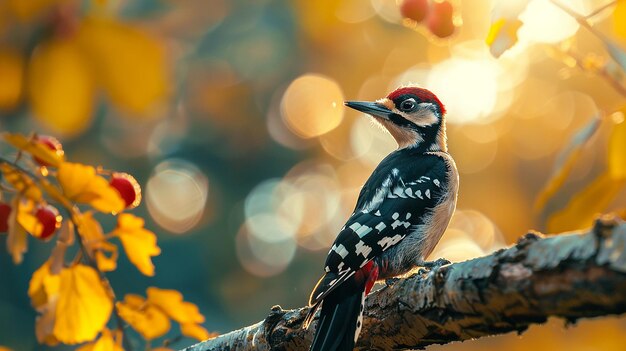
x: 170, y: 342
x: 582, y: 20
x: 601, y: 9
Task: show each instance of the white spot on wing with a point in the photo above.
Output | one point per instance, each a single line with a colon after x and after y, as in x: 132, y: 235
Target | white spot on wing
x: 361, y: 232
x: 380, y: 226
x: 427, y: 193
x: 388, y: 242
x: 341, y: 250
x: 398, y: 191
x: 395, y: 215
x: 436, y: 181
x: 363, y: 249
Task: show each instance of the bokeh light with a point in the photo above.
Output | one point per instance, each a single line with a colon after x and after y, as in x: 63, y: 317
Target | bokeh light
x: 263, y: 258
x: 230, y: 115
x: 312, y: 105
x: 369, y: 141
x: 473, y: 95
x: 544, y: 22
x: 176, y: 195
x: 470, y: 234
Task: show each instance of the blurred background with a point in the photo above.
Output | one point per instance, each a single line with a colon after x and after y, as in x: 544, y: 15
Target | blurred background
x: 230, y: 116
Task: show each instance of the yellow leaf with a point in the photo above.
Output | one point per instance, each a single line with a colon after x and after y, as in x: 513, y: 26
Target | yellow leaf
x: 171, y: 302
x: 83, y: 307
x: 502, y: 35
x: 61, y: 86
x: 17, y: 239
x: 2, y: 348
x: 22, y: 183
x: 131, y: 65
x: 43, y: 285
x: 145, y: 318
x: 619, y: 18
x: 105, y: 342
x: 12, y: 73
x: 581, y: 209
x: 44, y: 290
x: 617, y: 150
x: 65, y: 239
x: 44, y: 325
x: 103, y: 251
x: 27, y: 219
x: 35, y: 148
x: 139, y: 243
x: 80, y: 183
x: 89, y: 228
x: 106, y: 256
x: 194, y: 331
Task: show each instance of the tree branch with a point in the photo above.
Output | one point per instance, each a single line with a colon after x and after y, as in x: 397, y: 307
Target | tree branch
x: 570, y: 276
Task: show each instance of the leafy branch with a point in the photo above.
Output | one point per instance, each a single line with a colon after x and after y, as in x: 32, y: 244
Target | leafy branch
x: 75, y: 298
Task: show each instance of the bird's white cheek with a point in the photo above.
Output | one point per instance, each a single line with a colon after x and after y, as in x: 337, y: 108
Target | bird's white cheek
x: 423, y: 118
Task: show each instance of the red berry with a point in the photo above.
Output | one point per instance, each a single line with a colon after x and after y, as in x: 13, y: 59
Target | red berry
x: 50, y: 219
x: 53, y: 144
x: 414, y: 9
x: 5, y: 211
x: 440, y: 19
x: 128, y: 187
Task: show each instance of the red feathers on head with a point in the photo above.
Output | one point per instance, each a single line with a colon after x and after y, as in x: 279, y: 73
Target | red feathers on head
x: 422, y: 94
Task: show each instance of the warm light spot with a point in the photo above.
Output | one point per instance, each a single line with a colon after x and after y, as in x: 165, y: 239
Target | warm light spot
x: 544, y: 22
x: 387, y: 10
x: 312, y: 105
x: 176, y: 195
x: 12, y: 73
x: 369, y: 141
x: 469, y: 235
x: 264, y: 258
x: 481, y: 139
x: 473, y: 92
x: 354, y: 11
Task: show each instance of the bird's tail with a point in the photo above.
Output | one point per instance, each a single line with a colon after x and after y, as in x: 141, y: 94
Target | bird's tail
x: 340, y: 320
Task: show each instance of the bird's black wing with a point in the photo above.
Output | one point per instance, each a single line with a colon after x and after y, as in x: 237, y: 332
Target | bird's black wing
x: 392, y: 211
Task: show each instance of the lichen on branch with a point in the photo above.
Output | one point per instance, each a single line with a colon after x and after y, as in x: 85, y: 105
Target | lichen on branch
x: 571, y: 276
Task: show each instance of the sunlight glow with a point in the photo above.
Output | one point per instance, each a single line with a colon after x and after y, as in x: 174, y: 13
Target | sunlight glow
x: 176, y: 195
x: 312, y: 105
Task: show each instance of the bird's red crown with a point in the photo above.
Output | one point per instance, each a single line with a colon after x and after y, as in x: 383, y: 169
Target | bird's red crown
x: 422, y: 94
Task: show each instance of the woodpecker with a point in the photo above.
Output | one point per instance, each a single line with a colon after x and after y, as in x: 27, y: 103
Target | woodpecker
x: 400, y: 215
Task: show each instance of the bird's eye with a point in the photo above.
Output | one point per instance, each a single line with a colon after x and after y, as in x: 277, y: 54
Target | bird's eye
x: 408, y: 105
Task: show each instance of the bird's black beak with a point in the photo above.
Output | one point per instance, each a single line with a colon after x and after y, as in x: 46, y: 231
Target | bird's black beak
x: 372, y: 108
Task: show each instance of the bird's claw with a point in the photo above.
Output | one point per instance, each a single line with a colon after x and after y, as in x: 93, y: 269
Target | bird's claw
x: 432, y: 265
x: 390, y: 281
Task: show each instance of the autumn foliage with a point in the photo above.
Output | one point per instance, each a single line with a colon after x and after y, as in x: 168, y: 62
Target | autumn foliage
x: 230, y: 113
x: 47, y: 197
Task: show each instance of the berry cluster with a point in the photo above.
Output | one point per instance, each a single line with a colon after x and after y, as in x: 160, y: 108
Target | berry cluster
x: 48, y: 216
x: 436, y: 14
